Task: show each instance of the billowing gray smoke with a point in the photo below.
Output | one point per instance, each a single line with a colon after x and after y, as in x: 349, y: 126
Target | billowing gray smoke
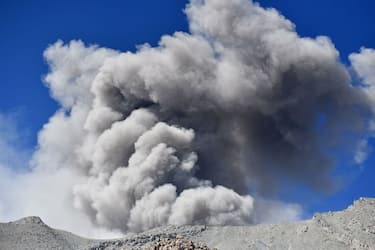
x: 184, y: 132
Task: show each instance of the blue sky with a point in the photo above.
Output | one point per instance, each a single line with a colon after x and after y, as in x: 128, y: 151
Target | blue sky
x: 28, y: 27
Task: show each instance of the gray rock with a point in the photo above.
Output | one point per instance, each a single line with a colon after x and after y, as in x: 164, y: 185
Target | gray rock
x: 352, y: 228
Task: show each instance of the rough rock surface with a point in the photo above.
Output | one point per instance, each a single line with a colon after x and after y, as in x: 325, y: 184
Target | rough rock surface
x: 353, y: 228
x: 178, y: 243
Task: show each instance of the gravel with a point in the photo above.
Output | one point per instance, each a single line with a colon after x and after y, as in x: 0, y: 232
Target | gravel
x: 352, y: 228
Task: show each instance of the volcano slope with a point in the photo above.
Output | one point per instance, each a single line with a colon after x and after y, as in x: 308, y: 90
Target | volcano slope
x: 352, y: 228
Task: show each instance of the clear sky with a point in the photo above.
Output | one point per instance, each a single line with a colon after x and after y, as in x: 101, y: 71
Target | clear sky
x: 28, y: 27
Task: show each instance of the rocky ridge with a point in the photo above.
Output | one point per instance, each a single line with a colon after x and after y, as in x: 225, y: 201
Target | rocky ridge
x: 352, y: 228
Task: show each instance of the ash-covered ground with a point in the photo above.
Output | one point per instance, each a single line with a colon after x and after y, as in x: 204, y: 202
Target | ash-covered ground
x: 352, y: 228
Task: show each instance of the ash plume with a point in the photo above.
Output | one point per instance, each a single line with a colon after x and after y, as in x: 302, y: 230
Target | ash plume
x: 187, y: 131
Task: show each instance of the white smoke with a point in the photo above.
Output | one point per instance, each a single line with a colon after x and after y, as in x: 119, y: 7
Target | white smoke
x: 363, y: 64
x: 185, y: 132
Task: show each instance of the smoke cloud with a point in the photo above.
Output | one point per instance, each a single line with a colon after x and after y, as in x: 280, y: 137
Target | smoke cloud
x: 204, y: 127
